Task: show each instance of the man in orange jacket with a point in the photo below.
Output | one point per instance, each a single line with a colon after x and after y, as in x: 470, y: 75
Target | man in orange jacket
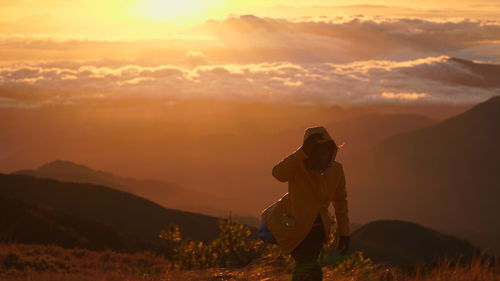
x: 299, y: 221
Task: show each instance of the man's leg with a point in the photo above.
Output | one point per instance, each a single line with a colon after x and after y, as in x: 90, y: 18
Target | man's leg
x: 306, y: 255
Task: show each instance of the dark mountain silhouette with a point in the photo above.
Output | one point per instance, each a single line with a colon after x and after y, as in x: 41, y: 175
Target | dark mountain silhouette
x: 364, y: 131
x: 486, y: 240
x: 30, y: 224
x: 445, y: 175
x: 187, y: 144
x: 168, y: 195
x: 117, y: 209
x: 485, y: 74
x: 456, y: 71
x: 69, y: 171
x: 404, y: 243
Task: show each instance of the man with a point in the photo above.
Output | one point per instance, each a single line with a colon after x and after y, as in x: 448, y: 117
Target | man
x: 299, y: 221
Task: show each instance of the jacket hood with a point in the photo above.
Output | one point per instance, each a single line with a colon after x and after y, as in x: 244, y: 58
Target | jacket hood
x: 318, y: 130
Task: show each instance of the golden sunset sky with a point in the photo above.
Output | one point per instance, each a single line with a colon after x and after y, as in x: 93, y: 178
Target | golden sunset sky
x: 330, y: 51
x: 193, y: 91
x: 139, y: 19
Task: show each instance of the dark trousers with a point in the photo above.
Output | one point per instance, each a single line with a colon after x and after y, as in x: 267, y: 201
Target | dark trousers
x: 306, y: 255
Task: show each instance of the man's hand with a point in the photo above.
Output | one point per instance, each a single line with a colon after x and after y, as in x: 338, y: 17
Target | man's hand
x: 310, y: 144
x: 344, y: 244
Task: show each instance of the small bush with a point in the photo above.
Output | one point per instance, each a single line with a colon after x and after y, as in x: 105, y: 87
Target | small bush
x: 233, y: 247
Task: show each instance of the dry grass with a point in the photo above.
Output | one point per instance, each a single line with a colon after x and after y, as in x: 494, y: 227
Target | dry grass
x: 37, y: 262
x: 20, y: 262
x: 480, y: 269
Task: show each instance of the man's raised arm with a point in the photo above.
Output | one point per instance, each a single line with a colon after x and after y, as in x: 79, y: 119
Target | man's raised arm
x: 283, y: 171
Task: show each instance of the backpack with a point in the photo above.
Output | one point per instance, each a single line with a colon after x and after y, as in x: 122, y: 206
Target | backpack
x: 265, y: 234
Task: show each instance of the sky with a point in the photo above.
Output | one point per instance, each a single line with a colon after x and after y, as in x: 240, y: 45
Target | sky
x: 338, y: 52
x: 135, y: 19
x: 114, y: 84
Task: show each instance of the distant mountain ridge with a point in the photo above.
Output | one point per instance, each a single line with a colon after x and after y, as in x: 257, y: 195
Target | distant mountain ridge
x: 444, y: 175
x: 404, y: 243
x: 31, y: 224
x: 70, y: 171
x: 168, y: 195
x: 364, y: 131
x: 486, y: 74
x: 74, y: 172
x: 119, y: 210
x: 457, y: 71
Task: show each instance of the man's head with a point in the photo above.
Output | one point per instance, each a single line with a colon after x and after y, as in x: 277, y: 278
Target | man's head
x: 326, y: 151
x: 320, y: 147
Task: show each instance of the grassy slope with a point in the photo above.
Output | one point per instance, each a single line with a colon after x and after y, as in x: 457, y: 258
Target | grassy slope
x: 31, y: 224
x: 119, y: 210
x: 43, y: 263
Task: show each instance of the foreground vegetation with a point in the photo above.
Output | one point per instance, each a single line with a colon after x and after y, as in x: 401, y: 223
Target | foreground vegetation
x: 234, y: 255
x: 20, y: 262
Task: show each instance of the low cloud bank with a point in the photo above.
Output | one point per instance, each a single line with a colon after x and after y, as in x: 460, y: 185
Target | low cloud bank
x: 430, y: 80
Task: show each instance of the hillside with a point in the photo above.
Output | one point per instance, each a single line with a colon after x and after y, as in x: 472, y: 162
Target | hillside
x: 36, y: 262
x: 364, y: 131
x: 117, y: 209
x: 211, y: 146
x: 168, y: 195
x: 30, y: 224
x: 451, y: 168
x: 486, y: 74
x: 405, y: 243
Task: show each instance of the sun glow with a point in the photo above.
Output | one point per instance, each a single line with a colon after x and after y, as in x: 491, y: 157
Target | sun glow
x: 177, y: 12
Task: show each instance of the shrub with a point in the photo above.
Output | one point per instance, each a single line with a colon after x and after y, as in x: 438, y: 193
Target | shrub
x: 233, y: 247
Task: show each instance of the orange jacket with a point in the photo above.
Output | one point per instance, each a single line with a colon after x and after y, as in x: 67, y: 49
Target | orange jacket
x: 291, y: 217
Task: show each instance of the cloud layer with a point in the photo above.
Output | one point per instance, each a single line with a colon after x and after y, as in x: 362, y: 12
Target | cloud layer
x: 334, y: 60
x: 252, y: 39
x: 433, y: 79
x: 345, y: 39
